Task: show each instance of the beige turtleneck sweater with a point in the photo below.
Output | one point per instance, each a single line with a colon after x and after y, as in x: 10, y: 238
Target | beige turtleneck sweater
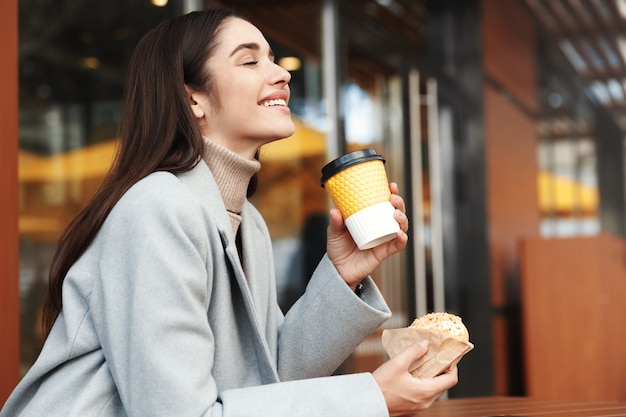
x: 232, y: 173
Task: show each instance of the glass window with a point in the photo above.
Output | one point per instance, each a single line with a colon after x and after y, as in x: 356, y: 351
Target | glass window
x: 72, y: 63
x: 370, y: 115
x: 567, y: 180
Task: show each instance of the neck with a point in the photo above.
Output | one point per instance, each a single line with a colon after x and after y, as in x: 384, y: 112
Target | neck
x: 232, y: 173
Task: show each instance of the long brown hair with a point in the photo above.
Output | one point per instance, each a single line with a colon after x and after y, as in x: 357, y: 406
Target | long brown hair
x: 158, y: 131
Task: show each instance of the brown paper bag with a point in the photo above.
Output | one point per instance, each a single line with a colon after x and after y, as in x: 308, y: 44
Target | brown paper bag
x: 444, y: 351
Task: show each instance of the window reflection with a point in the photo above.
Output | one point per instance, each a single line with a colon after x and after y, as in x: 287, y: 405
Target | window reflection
x: 568, y: 190
x: 567, y: 177
x: 72, y: 58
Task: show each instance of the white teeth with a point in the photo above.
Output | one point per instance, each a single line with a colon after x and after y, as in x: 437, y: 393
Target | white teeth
x: 276, y: 102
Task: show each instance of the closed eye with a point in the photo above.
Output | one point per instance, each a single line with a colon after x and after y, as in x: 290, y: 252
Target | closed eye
x: 250, y: 63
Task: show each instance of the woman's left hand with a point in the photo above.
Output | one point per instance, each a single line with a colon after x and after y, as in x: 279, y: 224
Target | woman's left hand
x: 354, y: 264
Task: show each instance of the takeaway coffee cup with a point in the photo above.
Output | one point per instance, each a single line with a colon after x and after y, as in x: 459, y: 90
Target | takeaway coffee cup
x: 357, y: 185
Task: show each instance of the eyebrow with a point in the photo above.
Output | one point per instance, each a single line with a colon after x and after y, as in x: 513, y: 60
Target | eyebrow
x: 252, y: 45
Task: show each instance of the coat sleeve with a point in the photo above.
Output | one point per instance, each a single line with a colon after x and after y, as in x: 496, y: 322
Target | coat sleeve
x: 355, y: 395
x: 327, y: 323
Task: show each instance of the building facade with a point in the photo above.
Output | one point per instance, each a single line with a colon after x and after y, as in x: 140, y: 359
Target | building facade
x: 489, y: 131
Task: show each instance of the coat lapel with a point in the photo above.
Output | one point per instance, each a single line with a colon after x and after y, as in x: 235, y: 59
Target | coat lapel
x: 201, y: 181
x: 269, y: 372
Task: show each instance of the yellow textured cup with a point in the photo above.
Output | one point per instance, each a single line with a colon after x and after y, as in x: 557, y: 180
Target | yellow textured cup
x: 357, y: 185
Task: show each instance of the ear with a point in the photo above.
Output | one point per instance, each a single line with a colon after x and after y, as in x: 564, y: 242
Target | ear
x: 195, y: 99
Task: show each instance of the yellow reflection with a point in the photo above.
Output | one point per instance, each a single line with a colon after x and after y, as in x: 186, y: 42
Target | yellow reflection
x: 304, y: 143
x: 565, y: 195
x: 53, y: 188
x: 290, y: 63
x: 90, y: 162
x: 90, y: 62
x: 93, y: 161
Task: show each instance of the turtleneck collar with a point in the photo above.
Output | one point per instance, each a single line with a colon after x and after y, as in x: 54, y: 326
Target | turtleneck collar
x: 232, y: 173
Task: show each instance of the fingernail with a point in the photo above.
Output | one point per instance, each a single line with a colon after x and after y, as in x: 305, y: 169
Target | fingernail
x: 424, y: 343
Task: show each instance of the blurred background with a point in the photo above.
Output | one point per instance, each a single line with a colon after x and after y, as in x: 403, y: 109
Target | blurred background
x: 502, y: 121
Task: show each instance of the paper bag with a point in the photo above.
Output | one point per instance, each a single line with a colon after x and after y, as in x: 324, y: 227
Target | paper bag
x: 444, y: 351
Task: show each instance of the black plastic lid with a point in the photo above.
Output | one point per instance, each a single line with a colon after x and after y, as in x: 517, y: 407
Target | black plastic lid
x: 347, y: 160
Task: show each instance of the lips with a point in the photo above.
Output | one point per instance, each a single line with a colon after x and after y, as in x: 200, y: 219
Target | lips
x: 277, y: 98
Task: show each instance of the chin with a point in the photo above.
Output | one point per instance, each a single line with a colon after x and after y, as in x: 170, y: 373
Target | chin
x: 275, y: 132
x: 279, y: 137
x: 289, y: 134
x: 286, y: 132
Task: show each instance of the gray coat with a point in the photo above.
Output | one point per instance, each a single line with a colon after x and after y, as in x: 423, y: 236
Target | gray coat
x: 159, y: 320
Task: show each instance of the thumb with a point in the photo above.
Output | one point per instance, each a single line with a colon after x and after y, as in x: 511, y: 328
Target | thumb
x: 412, y: 353
x: 336, y: 224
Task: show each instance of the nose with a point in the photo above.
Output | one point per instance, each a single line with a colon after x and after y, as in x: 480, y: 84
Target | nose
x: 280, y: 75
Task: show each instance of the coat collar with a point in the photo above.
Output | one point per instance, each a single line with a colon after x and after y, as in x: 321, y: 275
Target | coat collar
x: 202, y: 183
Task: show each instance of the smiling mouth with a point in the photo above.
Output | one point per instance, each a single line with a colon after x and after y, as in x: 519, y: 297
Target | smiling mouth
x: 275, y: 102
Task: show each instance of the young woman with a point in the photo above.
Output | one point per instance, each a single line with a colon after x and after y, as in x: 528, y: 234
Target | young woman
x: 162, y: 292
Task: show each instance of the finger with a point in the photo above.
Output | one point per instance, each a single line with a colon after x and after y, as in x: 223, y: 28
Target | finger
x: 452, y: 372
x: 393, y: 187
x: 398, y: 202
x: 336, y: 216
x: 401, y: 240
x: 336, y: 224
x: 411, y: 354
x: 448, y: 379
x: 402, y: 220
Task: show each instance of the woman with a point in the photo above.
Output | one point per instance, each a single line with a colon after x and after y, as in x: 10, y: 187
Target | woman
x: 162, y: 292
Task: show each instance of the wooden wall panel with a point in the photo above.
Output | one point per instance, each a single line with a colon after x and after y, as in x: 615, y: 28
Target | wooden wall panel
x: 573, y: 293
x: 508, y: 49
x: 9, y: 239
x: 512, y: 213
x: 511, y: 170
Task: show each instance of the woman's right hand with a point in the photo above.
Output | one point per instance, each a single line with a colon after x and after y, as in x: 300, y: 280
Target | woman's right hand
x: 404, y: 394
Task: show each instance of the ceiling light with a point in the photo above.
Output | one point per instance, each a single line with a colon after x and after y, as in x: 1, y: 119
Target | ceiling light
x: 573, y: 56
x: 159, y: 3
x: 90, y: 62
x: 601, y: 92
x: 616, y: 90
x: 610, y: 53
x: 555, y: 100
x: 596, y: 60
x: 290, y: 63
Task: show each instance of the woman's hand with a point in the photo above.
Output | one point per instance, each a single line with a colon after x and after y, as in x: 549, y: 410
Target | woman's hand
x: 404, y: 394
x: 354, y: 264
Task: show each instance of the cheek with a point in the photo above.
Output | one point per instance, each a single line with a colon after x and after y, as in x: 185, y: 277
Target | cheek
x: 239, y: 93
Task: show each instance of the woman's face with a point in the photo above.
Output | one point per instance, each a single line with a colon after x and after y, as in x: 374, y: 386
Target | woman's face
x: 252, y: 92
